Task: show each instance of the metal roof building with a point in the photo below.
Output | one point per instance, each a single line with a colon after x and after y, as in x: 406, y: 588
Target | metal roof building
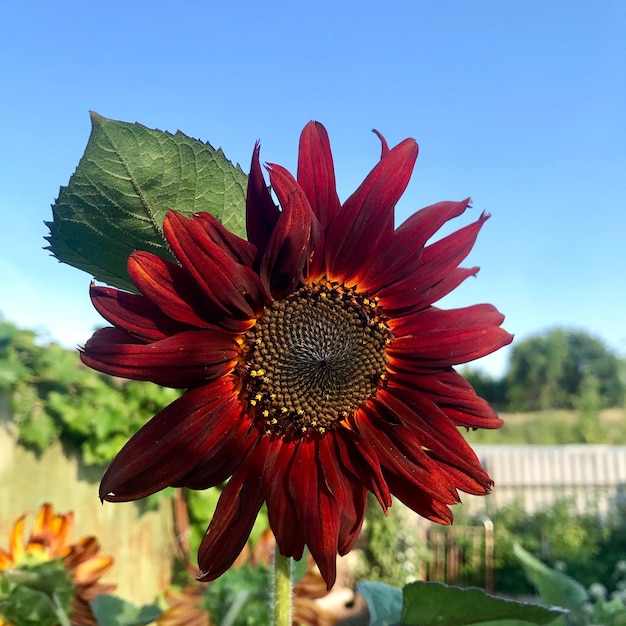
x: 594, y: 476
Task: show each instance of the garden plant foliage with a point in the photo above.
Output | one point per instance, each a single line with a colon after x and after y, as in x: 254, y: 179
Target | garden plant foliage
x: 53, y: 397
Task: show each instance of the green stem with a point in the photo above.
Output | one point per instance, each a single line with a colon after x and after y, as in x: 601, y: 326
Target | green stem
x: 282, y: 589
x: 59, y: 610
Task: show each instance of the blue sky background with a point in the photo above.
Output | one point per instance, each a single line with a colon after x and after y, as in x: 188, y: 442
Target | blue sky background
x: 521, y: 106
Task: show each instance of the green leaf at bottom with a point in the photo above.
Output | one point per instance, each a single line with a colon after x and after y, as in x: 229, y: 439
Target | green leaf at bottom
x: 384, y: 602
x: 436, y: 604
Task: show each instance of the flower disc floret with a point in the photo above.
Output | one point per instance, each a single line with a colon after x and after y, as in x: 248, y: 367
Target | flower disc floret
x: 313, y: 358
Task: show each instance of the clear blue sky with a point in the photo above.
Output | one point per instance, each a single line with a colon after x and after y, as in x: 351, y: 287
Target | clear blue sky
x: 521, y: 106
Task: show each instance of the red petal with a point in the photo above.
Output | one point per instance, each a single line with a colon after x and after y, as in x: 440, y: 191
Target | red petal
x: 403, y: 256
x: 236, y: 511
x: 170, y: 288
x: 364, y: 226
x: 287, y: 254
x: 453, y: 394
x: 133, y: 313
x: 281, y: 506
x: 186, y: 432
x: 401, y: 453
x: 436, y: 263
x: 349, y: 494
x: 431, y: 294
x: 261, y: 212
x: 318, y: 510
x: 384, y: 146
x: 231, y: 287
x: 223, y: 464
x: 316, y: 173
x: 186, y: 359
x: 434, y: 338
x: 438, y: 435
x: 239, y: 250
x: 417, y: 499
x: 360, y: 459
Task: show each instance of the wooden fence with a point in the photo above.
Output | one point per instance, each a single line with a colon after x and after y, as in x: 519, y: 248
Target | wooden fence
x: 141, y: 541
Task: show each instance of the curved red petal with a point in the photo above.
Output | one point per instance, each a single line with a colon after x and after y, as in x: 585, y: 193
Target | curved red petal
x: 232, y: 288
x: 286, y: 257
x: 402, y: 454
x: 236, y: 511
x: 220, y: 466
x: 261, y: 212
x: 348, y: 492
x: 435, y: 338
x: 133, y: 313
x: 417, y: 499
x: 437, y: 261
x: 453, y: 394
x: 413, y: 301
x: 428, y: 492
x: 170, y: 288
x: 404, y: 255
x: 437, y: 434
x: 311, y: 493
x: 384, y: 146
x: 186, y: 359
x: 186, y: 432
x: 359, y: 458
x: 364, y: 226
x: 239, y: 250
x: 434, y: 319
x: 424, y: 298
x: 316, y: 173
x: 281, y: 505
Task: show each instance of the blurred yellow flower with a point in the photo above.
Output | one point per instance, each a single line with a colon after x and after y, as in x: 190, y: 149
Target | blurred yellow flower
x: 50, y: 539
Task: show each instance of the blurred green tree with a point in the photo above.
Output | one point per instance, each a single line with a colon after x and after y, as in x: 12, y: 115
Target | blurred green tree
x: 549, y: 371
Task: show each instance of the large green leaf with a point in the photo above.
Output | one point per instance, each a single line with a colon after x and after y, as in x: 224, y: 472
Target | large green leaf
x: 554, y: 587
x: 436, y: 604
x: 127, y: 179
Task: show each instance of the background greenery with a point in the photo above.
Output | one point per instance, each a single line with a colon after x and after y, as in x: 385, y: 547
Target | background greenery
x: 557, y: 369
x: 562, y: 386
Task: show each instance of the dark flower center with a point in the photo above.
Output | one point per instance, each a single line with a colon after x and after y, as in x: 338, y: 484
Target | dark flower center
x: 314, y: 357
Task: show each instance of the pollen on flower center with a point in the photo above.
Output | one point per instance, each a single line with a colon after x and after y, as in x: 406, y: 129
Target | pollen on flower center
x: 313, y: 358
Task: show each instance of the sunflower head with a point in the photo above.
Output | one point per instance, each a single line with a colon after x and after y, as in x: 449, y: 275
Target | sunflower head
x: 315, y: 362
x: 50, y: 540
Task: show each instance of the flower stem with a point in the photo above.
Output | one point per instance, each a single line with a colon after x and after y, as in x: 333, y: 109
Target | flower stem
x: 282, y: 589
x: 59, y: 611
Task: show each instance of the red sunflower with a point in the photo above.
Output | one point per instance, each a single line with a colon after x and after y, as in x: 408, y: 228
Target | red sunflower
x: 315, y: 364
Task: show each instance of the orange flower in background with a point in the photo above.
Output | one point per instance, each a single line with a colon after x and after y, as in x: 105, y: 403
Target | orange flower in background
x: 185, y: 608
x: 315, y: 364
x: 50, y: 538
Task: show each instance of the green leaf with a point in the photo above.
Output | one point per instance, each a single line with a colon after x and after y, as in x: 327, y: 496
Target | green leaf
x: 436, y: 604
x: 127, y: 179
x: 384, y: 602
x: 113, y: 611
x: 554, y: 587
x: 35, y: 594
x: 240, y: 597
